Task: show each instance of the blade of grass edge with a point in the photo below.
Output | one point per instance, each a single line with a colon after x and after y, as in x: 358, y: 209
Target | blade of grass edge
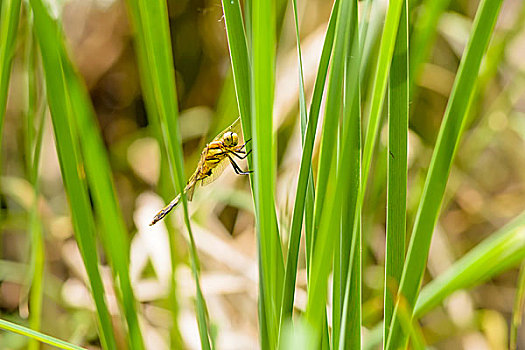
x: 41, y: 337
x: 440, y: 164
x: 398, y: 105
x: 150, y: 21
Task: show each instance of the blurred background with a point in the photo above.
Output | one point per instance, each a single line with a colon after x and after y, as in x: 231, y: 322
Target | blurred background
x: 486, y: 188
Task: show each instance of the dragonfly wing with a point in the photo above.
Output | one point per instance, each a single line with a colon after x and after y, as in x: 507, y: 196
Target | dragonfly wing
x: 235, y: 127
x: 189, y: 191
x: 215, y: 172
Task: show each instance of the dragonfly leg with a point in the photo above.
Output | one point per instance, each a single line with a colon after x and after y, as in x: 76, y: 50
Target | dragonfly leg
x: 236, y: 168
x: 239, y: 148
x: 244, y: 155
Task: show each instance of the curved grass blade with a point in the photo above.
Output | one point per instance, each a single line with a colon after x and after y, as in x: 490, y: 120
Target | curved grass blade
x: 332, y: 116
x: 46, y: 339
x: 313, y: 118
x: 330, y: 184
x: 398, y: 104
x: 9, y: 15
x: 49, y: 36
x: 446, y: 145
x: 502, y: 250
x: 305, y: 180
x: 99, y: 176
x: 150, y: 22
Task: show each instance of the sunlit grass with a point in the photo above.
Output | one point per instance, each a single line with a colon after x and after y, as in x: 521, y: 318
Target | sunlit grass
x: 364, y: 71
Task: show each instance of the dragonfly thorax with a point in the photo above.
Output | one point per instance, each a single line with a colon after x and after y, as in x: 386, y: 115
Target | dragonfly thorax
x: 230, y: 139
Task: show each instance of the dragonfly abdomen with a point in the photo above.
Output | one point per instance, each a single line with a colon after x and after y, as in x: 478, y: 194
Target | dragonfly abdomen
x: 164, y: 211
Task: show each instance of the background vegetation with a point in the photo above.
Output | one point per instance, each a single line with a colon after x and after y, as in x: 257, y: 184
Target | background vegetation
x: 386, y: 202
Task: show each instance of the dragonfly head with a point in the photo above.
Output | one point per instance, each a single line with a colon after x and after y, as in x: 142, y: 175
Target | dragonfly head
x: 230, y: 139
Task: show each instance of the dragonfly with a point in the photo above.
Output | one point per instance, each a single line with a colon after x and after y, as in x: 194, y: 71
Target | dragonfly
x: 215, y: 157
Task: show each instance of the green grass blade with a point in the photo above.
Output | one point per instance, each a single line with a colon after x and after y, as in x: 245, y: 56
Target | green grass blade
x: 166, y: 183
x: 313, y: 118
x: 397, y: 168
x: 150, y: 22
x: 308, y: 205
x: 46, y: 339
x: 238, y: 44
x: 350, y: 245
x: 502, y: 250
x: 49, y: 35
x: 9, y: 15
x: 114, y: 234
x: 382, y: 69
x: 33, y: 148
x: 98, y: 173
x: 303, y: 204
x: 410, y: 326
x: 328, y: 196
x: 317, y: 267
x: 290, y: 273
x: 330, y: 122
x: 439, y: 170
x: 517, y: 312
x: 264, y: 155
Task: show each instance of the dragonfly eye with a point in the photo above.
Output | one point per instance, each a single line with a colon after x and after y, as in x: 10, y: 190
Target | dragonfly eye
x: 230, y: 139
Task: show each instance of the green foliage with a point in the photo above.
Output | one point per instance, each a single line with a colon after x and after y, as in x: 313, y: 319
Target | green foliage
x: 398, y: 108
x: 269, y: 243
x: 61, y: 104
x: 360, y: 53
x: 444, y: 151
x: 150, y: 21
x: 9, y: 14
x: 46, y: 339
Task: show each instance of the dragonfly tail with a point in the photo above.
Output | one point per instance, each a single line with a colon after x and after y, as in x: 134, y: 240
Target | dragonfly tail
x: 164, y: 211
x: 190, y: 187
